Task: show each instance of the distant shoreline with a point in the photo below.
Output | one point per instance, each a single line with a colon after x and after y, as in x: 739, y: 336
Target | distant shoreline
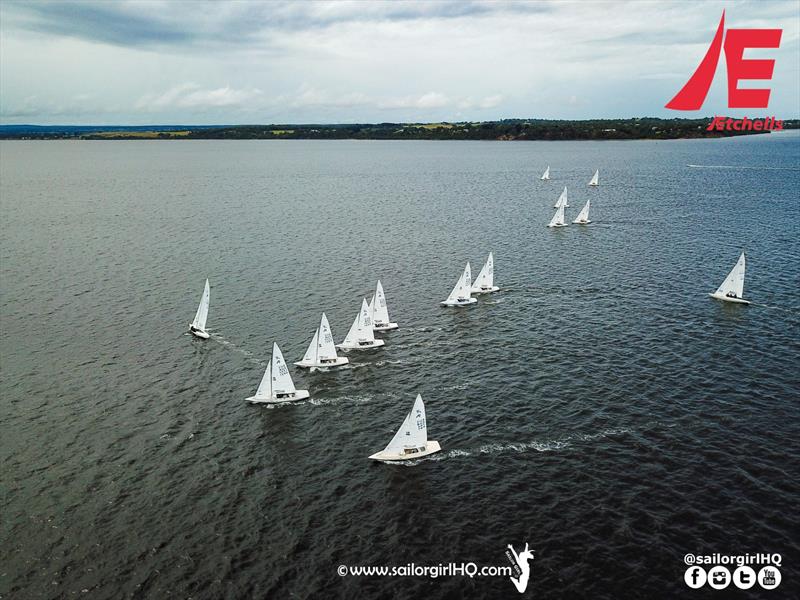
x: 648, y: 128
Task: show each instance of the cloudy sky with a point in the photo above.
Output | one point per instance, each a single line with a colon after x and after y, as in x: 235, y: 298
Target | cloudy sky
x: 202, y: 62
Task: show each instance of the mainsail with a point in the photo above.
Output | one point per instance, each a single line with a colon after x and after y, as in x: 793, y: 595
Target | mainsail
x: 202, y: 310
x: 558, y: 218
x: 583, y: 216
x: 734, y: 282
x: 463, y: 286
x: 413, y: 433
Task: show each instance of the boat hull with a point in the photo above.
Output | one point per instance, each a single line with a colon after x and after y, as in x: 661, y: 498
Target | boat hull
x: 562, y: 225
x: 385, y: 327
x: 375, y: 344
x: 340, y: 361
x: 430, y: 448
x: 725, y: 298
x: 456, y: 303
x: 203, y: 335
x: 298, y: 395
x: 586, y: 222
x: 494, y: 288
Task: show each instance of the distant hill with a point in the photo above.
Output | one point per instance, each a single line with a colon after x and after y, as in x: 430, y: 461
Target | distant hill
x: 507, y: 129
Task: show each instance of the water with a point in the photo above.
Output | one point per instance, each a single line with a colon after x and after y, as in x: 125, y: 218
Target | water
x: 601, y: 407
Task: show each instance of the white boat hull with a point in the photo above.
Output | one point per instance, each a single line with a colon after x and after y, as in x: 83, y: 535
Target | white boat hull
x: 494, y: 288
x: 201, y: 333
x: 385, y: 327
x: 586, y: 222
x: 725, y: 298
x: 459, y: 303
x: 340, y: 360
x: 430, y: 448
x: 561, y: 225
x: 369, y: 346
x: 298, y: 395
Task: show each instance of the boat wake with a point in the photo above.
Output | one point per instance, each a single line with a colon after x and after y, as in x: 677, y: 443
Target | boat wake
x: 380, y: 363
x: 536, y: 446
x: 780, y: 308
x: 320, y: 402
x: 231, y: 346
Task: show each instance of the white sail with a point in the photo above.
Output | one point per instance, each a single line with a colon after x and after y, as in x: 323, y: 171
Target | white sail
x: 595, y: 178
x: 413, y: 433
x: 546, y: 173
x: 485, y: 278
x: 361, y: 330
x: 327, y: 349
x: 558, y: 218
x: 562, y: 199
x: 734, y: 282
x: 583, y: 216
x: 463, y: 287
x: 281, y: 379
x: 202, y: 310
x: 380, y: 312
x: 264, y: 391
x: 313, y: 348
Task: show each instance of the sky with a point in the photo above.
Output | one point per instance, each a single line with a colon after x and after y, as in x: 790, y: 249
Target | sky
x: 201, y: 62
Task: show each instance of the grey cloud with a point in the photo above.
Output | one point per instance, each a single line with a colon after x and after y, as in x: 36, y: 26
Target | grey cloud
x: 180, y: 23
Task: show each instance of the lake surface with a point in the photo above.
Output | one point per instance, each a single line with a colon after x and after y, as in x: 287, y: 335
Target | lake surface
x: 601, y: 407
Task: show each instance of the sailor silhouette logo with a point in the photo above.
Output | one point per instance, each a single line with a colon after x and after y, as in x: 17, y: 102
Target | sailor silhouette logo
x: 519, y: 563
x: 693, y: 94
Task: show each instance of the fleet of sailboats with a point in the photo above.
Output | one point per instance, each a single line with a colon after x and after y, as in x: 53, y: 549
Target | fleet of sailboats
x: 732, y: 289
x: 411, y: 440
x: 462, y: 292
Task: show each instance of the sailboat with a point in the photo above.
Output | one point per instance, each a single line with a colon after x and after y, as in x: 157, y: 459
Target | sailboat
x: 583, y: 216
x: 484, y: 282
x: 411, y: 440
x: 732, y: 288
x: 558, y: 218
x: 379, y: 311
x: 461, y: 294
x: 198, y: 326
x: 322, y: 351
x: 595, y: 179
x: 562, y: 199
x: 276, y: 385
x: 546, y: 174
x: 361, y: 335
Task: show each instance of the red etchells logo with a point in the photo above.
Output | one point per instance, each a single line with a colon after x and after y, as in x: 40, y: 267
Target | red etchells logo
x: 693, y: 94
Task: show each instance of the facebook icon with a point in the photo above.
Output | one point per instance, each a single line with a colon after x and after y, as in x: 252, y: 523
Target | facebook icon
x: 695, y: 577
